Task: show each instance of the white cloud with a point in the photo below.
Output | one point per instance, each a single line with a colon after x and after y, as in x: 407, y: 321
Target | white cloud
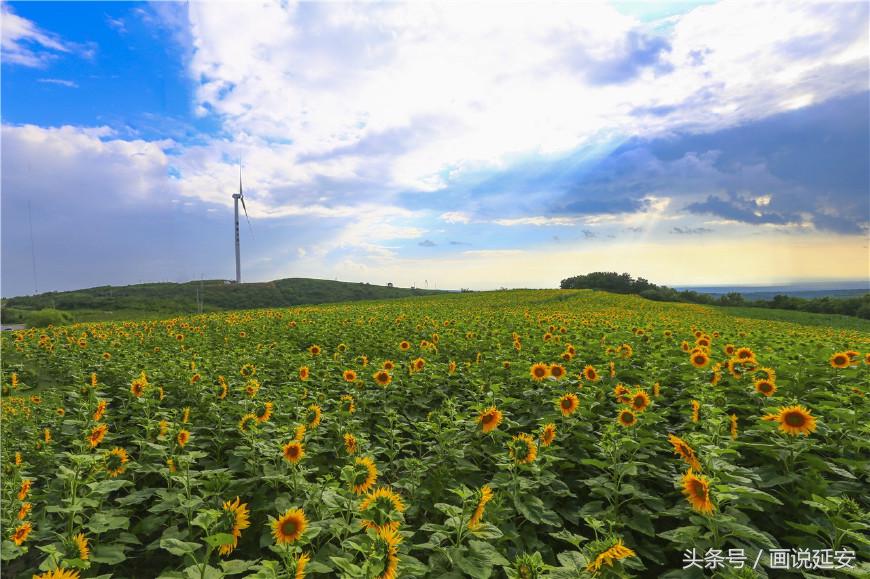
x: 538, y: 220
x: 473, y: 85
x: 456, y: 217
x: 59, y: 81
x: 83, y: 165
x: 26, y: 44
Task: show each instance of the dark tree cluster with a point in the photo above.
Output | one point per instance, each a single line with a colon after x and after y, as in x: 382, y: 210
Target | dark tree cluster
x: 624, y: 283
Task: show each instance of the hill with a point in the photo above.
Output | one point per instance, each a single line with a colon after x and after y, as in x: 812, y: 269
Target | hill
x: 153, y: 300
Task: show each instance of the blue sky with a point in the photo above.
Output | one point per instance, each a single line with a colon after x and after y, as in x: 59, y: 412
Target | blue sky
x: 454, y: 144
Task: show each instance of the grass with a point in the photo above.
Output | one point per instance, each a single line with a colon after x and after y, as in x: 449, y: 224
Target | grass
x: 795, y: 317
x: 161, y: 300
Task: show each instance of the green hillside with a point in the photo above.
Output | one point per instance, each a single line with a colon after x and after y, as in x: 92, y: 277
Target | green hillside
x: 167, y: 299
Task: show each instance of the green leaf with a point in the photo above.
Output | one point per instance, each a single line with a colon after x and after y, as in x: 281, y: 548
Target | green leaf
x: 107, y: 486
x: 102, y: 522
x: 237, y: 566
x: 179, y: 548
x: 108, y: 554
x: 220, y: 539
x: 533, y: 509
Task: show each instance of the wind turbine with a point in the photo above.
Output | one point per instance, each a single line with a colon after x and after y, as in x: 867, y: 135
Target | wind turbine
x: 236, y: 198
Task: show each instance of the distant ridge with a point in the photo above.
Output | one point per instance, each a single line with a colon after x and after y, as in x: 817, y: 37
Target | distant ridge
x: 162, y: 299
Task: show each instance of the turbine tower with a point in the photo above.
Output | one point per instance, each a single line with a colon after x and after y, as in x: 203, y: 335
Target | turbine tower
x: 236, y: 198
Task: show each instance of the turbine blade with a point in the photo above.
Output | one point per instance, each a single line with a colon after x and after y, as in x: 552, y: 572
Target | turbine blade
x: 242, y: 198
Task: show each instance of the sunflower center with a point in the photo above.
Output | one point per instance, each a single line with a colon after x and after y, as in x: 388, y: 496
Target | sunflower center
x: 795, y: 419
x: 539, y: 372
x: 698, y: 488
x: 487, y: 418
x: 289, y: 527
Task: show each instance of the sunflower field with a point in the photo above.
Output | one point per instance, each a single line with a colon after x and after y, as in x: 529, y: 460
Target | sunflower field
x: 510, y: 434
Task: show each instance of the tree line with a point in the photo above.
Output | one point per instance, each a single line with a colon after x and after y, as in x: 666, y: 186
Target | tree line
x: 624, y: 283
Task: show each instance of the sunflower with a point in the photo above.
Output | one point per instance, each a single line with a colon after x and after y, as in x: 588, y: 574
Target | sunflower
x: 404, y: 345
x: 867, y: 358
x: 557, y: 371
x: 301, y: 562
x: 93, y: 379
x: 183, y: 437
x: 59, y: 573
x: 451, y: 367
x: 614, y: 553
x: 796, y: 420
x: 696, y: 407
x: 699, y: 359
x: 840, y: 360
x: 97, y: 434
x: 350, y: 406
x: 365, y: 475
x: 294, y: 451
x: 485, y: 497
x: 185, y: 415
x: 548, y: 434
x: 314, y: 350
x: 387, y: 503
x: 115, y: 461
x: 266, y: 413
x: 247, y: 422
x: 622, y: 393
x: 489, y: 419
x: 391, y: 539
x: 626, y: 418
x: 539, y: 371
x: 195, y: 378
x: 81, y: 544
x: 523, y: 448
x: 382, y: 377
x: 21, y: 533
x: 350, y: 443
x: 686, y: 452
x: 766, y: 387
x: 639, y: 401
x: 349, y: 376
x: 697, y: 491
x: 717, y: 373
x: 506, y: 365
x: 236, y: 518
x: 418, y: 364
x: 314, y: 415
x: 24, y: 510
x: 684, y: 346
x: 61, y: 412
x: 304, y: 373
x: 247, y: 371
x: 388, y: 365
x: 744, y: 354
x: 767, y: 374
x: 657, y: 390
x: 568, y: 404
x: 137, y: 387
x: 46, y: 435
x: 222, y: 388
x: 18, y: 459
x: 590, y: 373
x: 170, y: 464
x: 252, y: 387
x: 163, y: 427
x: 733, y: 419
x: 288, y: 528
x: 730, y: 349
x: 300, y: 432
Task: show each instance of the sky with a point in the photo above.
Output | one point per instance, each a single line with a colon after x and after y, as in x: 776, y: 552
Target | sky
x: 449, y: 145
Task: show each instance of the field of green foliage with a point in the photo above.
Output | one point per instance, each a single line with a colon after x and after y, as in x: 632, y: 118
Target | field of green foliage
x: 508, y: 434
